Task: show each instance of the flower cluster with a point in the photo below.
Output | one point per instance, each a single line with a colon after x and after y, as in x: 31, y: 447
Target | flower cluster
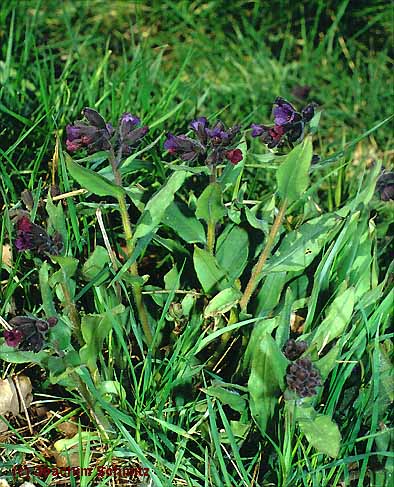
x: 30, y: 236
x: 212, y: 144
x: 28, y: 334
x: 288, y: 124
x: 303, y: 378
x: 293, y: 350
x: 94, y: 134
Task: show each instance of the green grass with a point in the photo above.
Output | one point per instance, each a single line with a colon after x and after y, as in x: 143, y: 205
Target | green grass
x: 169, y: 62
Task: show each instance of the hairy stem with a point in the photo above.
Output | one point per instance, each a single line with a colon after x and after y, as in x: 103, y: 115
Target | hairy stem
x: 211, y: 224
x: 256, y: 274
x: 72, y: 311
x: 128, y: 233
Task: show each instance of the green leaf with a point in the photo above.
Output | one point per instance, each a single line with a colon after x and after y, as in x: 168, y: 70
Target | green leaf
x: 156, y: 207
x: 209, y: 273
x: 183, y: 222
x: 10, y: 354
x: 92, y: 181
x: 299, y: 247
x: 222, y: 302
x: 46, y: 291
x: 292, y: 176
x: 327, y: 363
x: 337, y: 318
x: 68, y: 264
x: 266, y: 379
x: 228, y: 397
x: 95, y: 263
x: 56, y: 220
x: 322, y: 433
x: 95, y: 328
x: 232, y: 250
x: 210, y: 206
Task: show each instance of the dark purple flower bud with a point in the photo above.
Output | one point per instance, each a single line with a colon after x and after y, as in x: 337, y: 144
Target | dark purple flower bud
x: 73, y: 132
x: 308, y: 112
x: 294, y: 131
x: 293, y: 350
x: 13, y: 338
x: 234, y: 156
x: 303, y: 378
x: 52, y: 321
x: 33, y: 237
x: 135, y: 135
x: 385, y: 186
x: 301, y: 92
x: 28, y: 333
x: 94, y: 118
x: 187, y: 148
x: 284, y: 112
x: 127, y: 123
x: 24, y: 240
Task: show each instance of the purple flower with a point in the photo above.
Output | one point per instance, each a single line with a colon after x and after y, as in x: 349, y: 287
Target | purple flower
x: 129, y: 134
x: 13, y: 337
x: 289, y: 124
x: 234, y: 156
x: 187, y: 148
x: 28, y: 334
x: 211, y: 145
x: 199, y: 124
x: 272, y: 136
x: 92, y: 133
x: 284, y: 112
x: 127, y: 122
x: 30, y: 236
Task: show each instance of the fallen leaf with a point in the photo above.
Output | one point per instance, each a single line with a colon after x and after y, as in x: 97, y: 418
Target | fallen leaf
x: 12, y: 401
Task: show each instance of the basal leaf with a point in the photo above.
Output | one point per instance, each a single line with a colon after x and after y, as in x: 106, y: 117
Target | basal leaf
x: 322, y: 433
x: 266, y: 379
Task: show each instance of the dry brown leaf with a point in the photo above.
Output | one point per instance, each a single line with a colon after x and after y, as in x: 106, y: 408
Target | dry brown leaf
x: 297, y: 323
x: 68, y: 429
x: 12, y: 401
x: 6, y: 255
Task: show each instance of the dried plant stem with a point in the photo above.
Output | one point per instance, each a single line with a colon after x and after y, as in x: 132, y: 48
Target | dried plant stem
x: 133, y: 269
x: 256, y: 273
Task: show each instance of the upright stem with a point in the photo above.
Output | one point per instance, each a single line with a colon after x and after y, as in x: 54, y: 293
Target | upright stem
x: 211, y: 225
x: 128, y: 233
x: 255, y: 277
x: 71, y: 309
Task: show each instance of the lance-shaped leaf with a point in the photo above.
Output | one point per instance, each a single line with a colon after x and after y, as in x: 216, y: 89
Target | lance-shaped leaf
x: 92, y: 181
x: 266, y: 379
x: 156, y: 207
x: 292, y: 176
x: 336, y: 320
